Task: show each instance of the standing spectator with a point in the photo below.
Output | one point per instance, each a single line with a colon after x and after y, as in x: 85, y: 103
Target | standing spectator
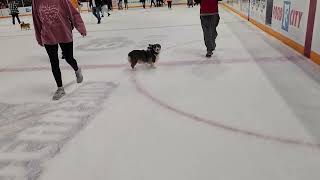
x: 169, y: 3
x: 126, y: 4
x: 53, y: 22
x: 105, y: 8
x: 96, y: 8
x: 14, y: 12
x: 143, y: 3
x: 109, y: 3
x: 162, y: 2
x: 209, y: 15
x: 152, y: 2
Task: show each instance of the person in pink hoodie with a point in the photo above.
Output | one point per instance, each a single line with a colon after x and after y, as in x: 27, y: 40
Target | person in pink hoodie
x: 53, y: 23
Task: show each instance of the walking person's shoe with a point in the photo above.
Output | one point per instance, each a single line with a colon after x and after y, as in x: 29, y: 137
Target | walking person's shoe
x: 58, y: 94
x: 79, y: 76
x: 209, y: 54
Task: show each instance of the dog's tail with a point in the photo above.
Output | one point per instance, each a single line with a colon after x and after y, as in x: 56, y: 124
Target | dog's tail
x: 132, y: 61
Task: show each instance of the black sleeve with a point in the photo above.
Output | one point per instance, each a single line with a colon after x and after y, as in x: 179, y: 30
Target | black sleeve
x: 197, y: 1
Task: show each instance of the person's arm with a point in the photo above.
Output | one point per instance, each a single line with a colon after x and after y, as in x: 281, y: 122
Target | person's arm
x: 37, y: 23
x: 74, y: 17
x: 197, y: 1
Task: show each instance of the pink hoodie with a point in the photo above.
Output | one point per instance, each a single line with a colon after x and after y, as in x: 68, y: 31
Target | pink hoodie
x: 53, y: 20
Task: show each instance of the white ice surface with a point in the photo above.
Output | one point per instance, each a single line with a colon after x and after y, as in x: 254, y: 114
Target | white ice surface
x: 251, y: 112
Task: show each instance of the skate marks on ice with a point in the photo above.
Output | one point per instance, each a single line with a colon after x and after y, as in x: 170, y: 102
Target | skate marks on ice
x: 16, y: 117
x: 36, y: 132
x: 111, y: 43
x: 102, y: 44
x: 151, y: 39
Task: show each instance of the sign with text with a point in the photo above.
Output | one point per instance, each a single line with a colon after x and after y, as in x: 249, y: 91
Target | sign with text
x: 290, y: 18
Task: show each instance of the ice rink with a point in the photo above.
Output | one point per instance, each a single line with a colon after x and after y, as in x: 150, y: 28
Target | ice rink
x: 251, y: 112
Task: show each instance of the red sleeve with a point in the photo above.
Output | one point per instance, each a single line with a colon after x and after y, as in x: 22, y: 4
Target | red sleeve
x: 74, y: 16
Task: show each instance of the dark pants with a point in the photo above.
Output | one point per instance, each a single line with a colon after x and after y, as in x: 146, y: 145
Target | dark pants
x: 169, y: 4
x: 67, y: 50
x: 109, y: 5
x: 13, y: 18
x: 209, y: 25
x: 143, y: 3
x: 152, y: 2
x: 96, y: 12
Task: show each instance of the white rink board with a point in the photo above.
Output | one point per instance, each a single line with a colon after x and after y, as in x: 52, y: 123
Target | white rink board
x: 234, y: 116
x: 22, y: 10
x: 235, y: 4
x: 258, y: 10
x: 292, y: 24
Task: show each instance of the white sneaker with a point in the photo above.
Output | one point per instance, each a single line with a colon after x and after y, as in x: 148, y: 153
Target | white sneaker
x: 58, y: 94
x: 79, y: 76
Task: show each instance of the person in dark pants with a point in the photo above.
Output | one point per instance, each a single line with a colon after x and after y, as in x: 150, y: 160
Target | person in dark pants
x: 96, y: 8
x: 126, y: 4
x: 209, y: 15
x: 158, y: 3
x: 143, y: 3
x: 169, y: 3
x: 53, y: 22
x: 109, y: 4
x: 14, y: 12
x: 152, y: 2
x: 52, y: 51
x: 105, y: 8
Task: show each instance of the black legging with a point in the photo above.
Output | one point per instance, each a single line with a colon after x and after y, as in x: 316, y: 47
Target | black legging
x: 67, y: 50
x: 13, y: 18
x: 169, y: 4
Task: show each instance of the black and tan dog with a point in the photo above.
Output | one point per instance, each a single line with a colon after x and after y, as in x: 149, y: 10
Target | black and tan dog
x: 25, y: 26
x: 149, y: 56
